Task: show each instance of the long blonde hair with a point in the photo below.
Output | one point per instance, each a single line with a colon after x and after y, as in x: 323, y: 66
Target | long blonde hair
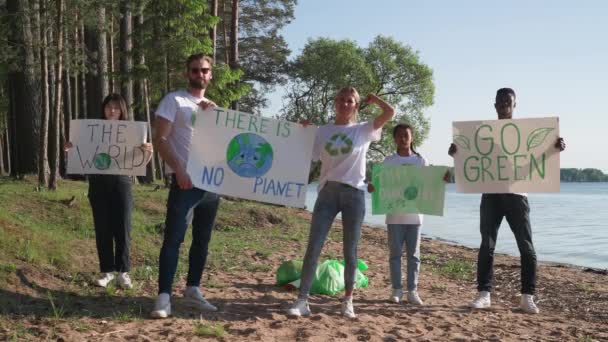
x: 350, y: 91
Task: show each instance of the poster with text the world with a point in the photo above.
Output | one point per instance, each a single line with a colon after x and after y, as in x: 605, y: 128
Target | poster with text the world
x: 107, y: 147
x: 507, y: 156
x: 249, y: 156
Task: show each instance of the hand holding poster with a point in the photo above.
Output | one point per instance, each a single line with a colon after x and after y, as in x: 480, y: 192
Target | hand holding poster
x: 408, y: 189
x: 251, y: 157
x: 108, y: 147
x: 507, y: 156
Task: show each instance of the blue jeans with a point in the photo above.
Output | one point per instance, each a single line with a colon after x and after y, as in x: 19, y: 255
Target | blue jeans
x: 334, y: 198
x: 204, y: 206
x: 398, y: 234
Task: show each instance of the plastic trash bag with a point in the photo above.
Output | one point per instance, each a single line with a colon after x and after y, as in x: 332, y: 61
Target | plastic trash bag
x: 289, y: 271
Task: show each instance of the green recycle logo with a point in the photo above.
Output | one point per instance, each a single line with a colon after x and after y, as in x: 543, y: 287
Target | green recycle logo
x: 102, y: 161
x: 339, y: 143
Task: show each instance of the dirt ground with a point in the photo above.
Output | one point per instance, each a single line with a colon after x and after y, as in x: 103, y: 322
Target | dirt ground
x: 573, y: 303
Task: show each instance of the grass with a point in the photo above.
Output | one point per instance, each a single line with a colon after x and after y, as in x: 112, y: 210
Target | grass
x: 585, y: 287
x: 439, y: 288
x: 58, y: 312
x: 203, y: 329
x: 38, y: 228
x: 454, y: 269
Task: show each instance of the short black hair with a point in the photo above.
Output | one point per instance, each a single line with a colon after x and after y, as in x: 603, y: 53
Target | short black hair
x: 505, y: 91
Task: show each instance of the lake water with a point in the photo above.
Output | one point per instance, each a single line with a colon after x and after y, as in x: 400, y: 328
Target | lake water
x: 570, y: 226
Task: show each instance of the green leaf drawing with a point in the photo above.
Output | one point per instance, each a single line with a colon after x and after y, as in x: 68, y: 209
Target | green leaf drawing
x: 537, y: 137
x: 462, y: 142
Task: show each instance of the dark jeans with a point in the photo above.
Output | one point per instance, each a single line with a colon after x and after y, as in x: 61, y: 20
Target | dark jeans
x: 517, y: 212
x: 111, y: 202
x: 204, y: 206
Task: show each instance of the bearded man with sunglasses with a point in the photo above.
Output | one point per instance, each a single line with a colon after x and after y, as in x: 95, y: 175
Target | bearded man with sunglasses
x: 172, y: 136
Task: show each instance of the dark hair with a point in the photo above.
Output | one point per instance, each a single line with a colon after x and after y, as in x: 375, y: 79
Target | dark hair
x: 405, y: 126
x: 198, y: 57
x: 121, y: 102
x: 505, y: 91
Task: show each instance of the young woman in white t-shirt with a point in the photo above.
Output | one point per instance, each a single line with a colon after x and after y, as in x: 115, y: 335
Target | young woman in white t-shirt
x: 341, y: 147
x: 404, y: 228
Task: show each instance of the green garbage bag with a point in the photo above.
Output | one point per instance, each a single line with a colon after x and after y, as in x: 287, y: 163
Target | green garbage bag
x: 289, y: 271
x: 361, y: 279
x: 329, y: 278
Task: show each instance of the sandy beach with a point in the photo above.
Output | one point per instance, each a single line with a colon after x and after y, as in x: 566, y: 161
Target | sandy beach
x: 573, y: 303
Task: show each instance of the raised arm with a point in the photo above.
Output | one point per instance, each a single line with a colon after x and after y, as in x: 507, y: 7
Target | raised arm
x: 387, y: 110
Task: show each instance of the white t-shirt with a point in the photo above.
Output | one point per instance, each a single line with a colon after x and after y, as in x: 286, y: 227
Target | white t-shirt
x: 413, y: 159
x: 342, y: 150
x: 178, y: 107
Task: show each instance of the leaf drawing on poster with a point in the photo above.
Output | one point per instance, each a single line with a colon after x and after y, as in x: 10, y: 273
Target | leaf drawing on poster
x: 537, y: 137
x: 462, y: 142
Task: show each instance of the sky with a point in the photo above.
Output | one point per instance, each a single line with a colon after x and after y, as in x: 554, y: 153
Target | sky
x: 554, y: 54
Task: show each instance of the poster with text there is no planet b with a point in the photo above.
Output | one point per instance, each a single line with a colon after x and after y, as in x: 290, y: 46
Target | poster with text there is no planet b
x: 249, y: 156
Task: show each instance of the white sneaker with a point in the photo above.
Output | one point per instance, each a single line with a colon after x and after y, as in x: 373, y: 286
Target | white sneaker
x: 482, y: 301
x: 105, y: 279
x: 527, y: 304
x: 299, y: 308
x: 193, y: 296
x: 396, y: 296
x: 124, y: 280
x: 162, y: 306
x: 347, y: 308
x: 413, y: 298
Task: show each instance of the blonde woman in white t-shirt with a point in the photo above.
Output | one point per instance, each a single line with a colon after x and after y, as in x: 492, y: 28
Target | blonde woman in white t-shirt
x: 404, y: 229
x: 341, y: 147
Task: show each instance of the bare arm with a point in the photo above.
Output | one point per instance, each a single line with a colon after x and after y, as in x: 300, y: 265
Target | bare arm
x: 162, y: 130
x: 387, y: 110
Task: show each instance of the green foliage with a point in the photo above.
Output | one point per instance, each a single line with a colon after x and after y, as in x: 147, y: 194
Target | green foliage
x: 582, y: 175
x: 263, y: 51
x: 202, y: 329
x: 386, y: 67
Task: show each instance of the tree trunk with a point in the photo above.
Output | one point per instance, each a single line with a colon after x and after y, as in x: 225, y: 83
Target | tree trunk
x: 113, y: 87
x: 67, y: 101
x: 25, y: 95
x: 2, y: 170
x: 225, y: 30
x: 57, y: 112
x: 76, y: 112
x: 43, y: 163
x: 83, y: 81
x: 102, y: 51
x: 234, y: 43
x: 213, y: 31
x: 126, y: 61
x: 93, y: 84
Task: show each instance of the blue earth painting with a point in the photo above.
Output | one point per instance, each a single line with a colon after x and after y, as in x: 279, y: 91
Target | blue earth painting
x: 249, y: 155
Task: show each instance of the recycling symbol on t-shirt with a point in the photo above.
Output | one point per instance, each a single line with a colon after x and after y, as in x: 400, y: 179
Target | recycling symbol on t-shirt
x: 339, y: 143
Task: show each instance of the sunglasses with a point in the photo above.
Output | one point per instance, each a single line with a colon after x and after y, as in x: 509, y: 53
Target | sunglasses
x: 205, y: 71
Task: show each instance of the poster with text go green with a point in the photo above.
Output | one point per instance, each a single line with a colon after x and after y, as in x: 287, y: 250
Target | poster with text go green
x: 408, y: 189
x: 507, y: 156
